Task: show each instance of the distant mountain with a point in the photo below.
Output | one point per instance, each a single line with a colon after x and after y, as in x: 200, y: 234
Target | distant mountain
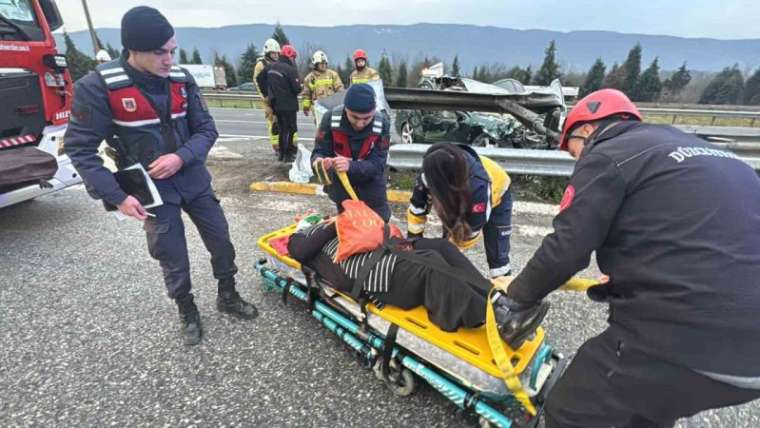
x: 475, y: 45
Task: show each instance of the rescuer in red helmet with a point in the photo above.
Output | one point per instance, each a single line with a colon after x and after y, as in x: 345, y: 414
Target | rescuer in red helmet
x: 674, y: 222
x: 363, y: 73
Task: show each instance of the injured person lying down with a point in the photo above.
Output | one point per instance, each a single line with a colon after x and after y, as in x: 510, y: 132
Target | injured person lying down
x: 429, y: 272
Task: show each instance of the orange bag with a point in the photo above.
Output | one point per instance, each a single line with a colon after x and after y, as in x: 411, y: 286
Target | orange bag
x: 360, y: 230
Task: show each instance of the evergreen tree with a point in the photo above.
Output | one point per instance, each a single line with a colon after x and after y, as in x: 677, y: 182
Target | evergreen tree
x: 279, y: 35
x: 594, y: 78
x: 79, y: 63
x: 401, y: 76
x: 112, y: 51
x: 549, y: 69
x: 675, y: 83
x: 523, y: 75
x: 752, y: 89
x: 348, y: 67
x: 229, y: 70
x: 455, y: 66
x: 182, y: 56
x: 632, y: 67
x: 386, y: 71
x: 247, y: 63
x: 725, y: 88
x: 196, y: 57
x: 649, y: 86
x: 475, y: 73
x: 615, y: 79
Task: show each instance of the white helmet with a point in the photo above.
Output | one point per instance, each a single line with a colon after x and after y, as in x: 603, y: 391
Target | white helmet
x: 270, y: 46
x: 102, y: 56
x: 318, y: 57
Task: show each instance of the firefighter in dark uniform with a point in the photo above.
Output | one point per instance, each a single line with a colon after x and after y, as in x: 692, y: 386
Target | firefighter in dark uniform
x: 674, y: 222
x: 354, y: 138
x: 156, y: 111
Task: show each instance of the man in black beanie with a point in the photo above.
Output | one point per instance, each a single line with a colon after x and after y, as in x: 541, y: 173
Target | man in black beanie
x: 152, y: 113
x: 354, y: 138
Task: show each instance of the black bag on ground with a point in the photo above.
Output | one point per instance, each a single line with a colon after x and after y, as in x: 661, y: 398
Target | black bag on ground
x: 24, y: 166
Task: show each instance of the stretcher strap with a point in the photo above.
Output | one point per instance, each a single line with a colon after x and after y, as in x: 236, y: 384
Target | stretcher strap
x: 347, y: 185
x: 321, y: 171
x: 390, y: 341
x: 502, y: 359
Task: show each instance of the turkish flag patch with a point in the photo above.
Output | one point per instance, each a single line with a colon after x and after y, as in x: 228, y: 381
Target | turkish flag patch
x: 567, y: 198
x: 479, y: 208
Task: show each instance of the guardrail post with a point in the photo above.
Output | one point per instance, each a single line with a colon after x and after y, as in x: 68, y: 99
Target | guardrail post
x: 675, y: 116
x: 712, y: 122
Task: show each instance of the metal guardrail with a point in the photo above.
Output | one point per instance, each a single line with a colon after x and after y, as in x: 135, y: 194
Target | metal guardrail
x: 551, y: 163
x: 676, y: 112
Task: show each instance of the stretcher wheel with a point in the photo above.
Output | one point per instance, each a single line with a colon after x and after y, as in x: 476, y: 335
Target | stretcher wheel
x: 400, y: 380
x: 484, y: 423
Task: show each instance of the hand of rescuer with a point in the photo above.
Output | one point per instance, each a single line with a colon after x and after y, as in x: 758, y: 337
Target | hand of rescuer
x: 131, y: 207
x: 165, y: 166
x: 340, y: 164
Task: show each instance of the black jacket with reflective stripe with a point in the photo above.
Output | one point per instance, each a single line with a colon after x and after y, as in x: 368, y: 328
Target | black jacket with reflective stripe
x: 675, y: 223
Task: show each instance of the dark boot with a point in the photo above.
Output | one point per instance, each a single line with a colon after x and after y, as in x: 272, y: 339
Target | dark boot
x: 230, y: 302
x: 190, y: 321
x: 517, y: 321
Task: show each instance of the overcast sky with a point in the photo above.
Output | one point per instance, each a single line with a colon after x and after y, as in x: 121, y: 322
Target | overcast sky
x: 723, y: 19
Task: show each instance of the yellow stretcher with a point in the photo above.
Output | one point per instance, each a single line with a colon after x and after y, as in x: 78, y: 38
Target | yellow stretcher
x: 465, y: 356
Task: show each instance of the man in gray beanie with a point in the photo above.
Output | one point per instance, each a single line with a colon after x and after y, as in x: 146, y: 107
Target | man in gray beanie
x: 354, y: 138
x: 151, y: 112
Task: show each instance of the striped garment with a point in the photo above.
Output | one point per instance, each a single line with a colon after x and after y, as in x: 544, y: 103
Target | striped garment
x: 379, y: 277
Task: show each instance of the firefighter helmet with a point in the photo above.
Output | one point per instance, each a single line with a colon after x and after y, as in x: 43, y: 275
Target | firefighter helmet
x: 596, y: 106
x: 360, y: 54
x: 289, y: 52
x: 318, y: 57
x: 270, y: 46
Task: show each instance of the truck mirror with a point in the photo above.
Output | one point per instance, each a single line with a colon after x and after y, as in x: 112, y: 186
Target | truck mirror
x: 52, y: 15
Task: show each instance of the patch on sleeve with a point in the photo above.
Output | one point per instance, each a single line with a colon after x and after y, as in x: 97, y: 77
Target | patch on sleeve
x: 479, y: 208
x: 385, y: 143
x: 320, y: 135
x: 567, y: 198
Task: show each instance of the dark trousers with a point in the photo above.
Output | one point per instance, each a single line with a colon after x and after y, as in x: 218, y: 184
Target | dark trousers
x: 451, y: 303
x: 496, y: 234
x: 167, y: 243
x: 612, y: 384
x: 287, y: 122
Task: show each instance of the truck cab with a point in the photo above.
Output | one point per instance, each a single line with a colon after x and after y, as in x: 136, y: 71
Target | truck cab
x: 36, y: 94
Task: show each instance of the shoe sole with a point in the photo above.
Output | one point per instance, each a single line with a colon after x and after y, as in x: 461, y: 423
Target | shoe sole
x: 531, y: 328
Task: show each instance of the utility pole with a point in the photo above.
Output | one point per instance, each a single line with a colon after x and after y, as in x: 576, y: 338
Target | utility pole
x: 95, y: 47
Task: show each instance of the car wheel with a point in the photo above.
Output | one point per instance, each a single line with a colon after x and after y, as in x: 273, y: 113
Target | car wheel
x: 483, y: 140
x: 407, y: 133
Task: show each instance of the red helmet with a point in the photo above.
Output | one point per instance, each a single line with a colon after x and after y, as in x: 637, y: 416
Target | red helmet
x: 360, y: 54
x: 288, y: 51
x: 595, y: 106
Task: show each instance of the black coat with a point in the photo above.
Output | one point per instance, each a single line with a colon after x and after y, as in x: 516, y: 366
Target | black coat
x: 279, y: 82
x: 675, y: 223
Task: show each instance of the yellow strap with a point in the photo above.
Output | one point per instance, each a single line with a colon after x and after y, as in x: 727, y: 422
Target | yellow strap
x: 579, y: 284
x: 347, y: 185
x: 306, y: 103
x: 322, y: 175
x: 502, y: 359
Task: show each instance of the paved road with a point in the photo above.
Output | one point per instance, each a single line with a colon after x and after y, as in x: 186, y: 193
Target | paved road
x: 89, y: 338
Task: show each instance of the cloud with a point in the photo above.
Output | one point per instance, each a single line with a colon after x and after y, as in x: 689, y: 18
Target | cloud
x: 730, y: 19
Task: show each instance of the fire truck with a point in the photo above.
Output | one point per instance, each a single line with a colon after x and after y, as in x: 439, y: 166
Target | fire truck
x: 35, y: 102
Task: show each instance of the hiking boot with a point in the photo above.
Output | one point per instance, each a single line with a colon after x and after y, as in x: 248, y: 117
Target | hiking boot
x: 229, y: 301
x: 517, y: 321
x: 190, y: 321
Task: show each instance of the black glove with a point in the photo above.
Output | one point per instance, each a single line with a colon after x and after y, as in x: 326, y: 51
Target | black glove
x: 517, y: 321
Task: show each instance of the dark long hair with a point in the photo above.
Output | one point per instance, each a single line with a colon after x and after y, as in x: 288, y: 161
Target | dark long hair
x: 447, y: 174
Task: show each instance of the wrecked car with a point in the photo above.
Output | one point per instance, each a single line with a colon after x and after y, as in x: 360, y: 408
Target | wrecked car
x: 482, y: 129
